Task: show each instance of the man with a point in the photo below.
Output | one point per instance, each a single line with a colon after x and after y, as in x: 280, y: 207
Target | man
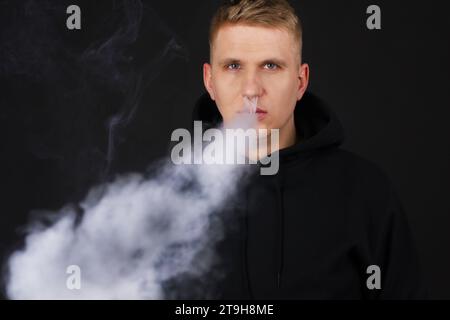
x: 328, y: 225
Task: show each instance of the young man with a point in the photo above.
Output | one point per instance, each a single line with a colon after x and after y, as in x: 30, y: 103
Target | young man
x: 328, y: 225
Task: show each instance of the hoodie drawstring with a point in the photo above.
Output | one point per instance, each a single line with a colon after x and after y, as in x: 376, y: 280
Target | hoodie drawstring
x: 244, y: 248
x: 280, y: 234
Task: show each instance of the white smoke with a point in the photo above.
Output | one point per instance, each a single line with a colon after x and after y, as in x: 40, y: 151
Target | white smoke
x: 135, y: 234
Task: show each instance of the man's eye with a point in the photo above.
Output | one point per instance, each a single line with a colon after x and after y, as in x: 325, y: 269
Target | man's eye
x: 233, y: 66
x: 271, y: 66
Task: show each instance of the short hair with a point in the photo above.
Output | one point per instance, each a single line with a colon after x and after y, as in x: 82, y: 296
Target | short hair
x: 266, y: 13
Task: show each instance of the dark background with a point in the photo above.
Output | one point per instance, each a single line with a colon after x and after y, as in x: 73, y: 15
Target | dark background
x: 78, y: 107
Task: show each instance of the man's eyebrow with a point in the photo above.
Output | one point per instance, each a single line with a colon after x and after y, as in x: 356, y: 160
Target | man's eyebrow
x: 227, y: 61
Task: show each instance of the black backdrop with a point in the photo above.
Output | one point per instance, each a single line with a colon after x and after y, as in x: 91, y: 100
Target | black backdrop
x: 78, y: 107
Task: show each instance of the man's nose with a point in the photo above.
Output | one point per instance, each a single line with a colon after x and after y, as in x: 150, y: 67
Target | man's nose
x: 252, y: 85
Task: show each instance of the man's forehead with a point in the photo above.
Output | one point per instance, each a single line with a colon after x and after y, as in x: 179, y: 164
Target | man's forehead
x: 253, y: 43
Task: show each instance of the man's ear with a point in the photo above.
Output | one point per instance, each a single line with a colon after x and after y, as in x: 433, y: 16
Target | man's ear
x: 207, y: 79
x: 303, y: 76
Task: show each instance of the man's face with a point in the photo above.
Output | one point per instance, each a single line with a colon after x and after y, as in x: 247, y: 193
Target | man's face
x: 254, y: 61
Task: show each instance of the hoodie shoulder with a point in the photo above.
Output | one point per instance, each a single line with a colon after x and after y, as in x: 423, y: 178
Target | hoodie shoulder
x: 366, y: 172
x: 385, y: 233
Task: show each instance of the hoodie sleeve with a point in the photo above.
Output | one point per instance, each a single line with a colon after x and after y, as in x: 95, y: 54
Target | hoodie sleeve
x: 401, y: 276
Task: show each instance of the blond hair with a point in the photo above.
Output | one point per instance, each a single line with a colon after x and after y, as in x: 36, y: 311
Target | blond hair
x: 266, y: 13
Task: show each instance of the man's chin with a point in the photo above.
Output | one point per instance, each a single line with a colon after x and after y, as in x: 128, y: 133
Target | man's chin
x: 262, y: 126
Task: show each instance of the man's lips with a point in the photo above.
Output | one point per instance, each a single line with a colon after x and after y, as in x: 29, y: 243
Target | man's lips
x: 260, y: 113
x: 259, y: 110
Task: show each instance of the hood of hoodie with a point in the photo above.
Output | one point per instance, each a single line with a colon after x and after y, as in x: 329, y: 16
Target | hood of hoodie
x: 317, y: 128
x: 316, y: 124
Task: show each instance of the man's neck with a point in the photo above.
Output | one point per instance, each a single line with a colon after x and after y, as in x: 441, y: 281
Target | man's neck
x: 288, y: 135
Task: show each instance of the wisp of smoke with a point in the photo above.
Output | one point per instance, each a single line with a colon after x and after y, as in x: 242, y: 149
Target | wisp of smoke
x: 135, y: 234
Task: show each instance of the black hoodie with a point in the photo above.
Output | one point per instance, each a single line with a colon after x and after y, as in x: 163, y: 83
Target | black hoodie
x: 312, y: 230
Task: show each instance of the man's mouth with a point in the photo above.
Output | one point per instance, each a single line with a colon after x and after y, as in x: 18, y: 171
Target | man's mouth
x: 260, y: 113
x: 258, y: 110
x: 251, y: 107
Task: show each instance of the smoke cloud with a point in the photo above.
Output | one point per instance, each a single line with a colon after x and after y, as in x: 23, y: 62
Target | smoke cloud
x: 136, y: 233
